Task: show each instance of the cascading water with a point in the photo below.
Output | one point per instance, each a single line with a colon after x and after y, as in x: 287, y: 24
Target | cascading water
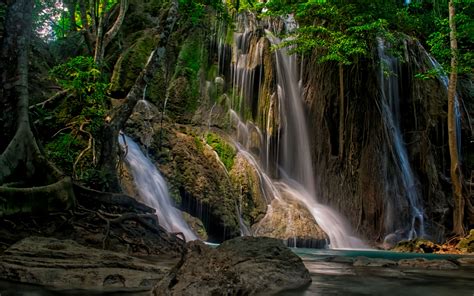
x: 292, y: 157
x: 389, y: 108
x: 457, y: 112
x: 153, y: 190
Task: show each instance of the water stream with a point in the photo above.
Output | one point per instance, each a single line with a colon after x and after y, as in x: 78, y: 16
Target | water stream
x: 389, y: 108
x: 153, y: 190
x: 339, y: 278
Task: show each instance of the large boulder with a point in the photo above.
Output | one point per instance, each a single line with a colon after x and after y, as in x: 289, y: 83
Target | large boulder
x: 241, y: 266
x: 65, y: 264
x: 291, y: 221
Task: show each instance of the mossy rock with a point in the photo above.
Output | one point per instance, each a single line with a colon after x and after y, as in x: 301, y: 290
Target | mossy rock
x: 247, y: 183
x: 417, y: 245
x: 196, y: 225
x: 202, y: 185
x: 131, y: 63
x: 185, y: 87
x: 466, y: 244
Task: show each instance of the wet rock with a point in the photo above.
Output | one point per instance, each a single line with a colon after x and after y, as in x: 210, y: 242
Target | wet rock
x: 340, y: 259
x: 66, y: 264
x: 374, y: 262
x: 392, y: 239
x: 422, y: 263
x: 200, y: 185
x: 247, y: 182
x: 241, y: 266
x: 466, y: 261
x: 290, y: 221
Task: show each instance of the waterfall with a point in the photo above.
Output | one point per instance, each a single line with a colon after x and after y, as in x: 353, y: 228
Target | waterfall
x: 389, y: 108
x: 294, y: 177
x: 457, y: 112
x: 153, y: 190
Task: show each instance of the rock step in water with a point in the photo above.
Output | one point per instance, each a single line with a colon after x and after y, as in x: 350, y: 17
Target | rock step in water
x: 241, y: 266
x: 412, y: 263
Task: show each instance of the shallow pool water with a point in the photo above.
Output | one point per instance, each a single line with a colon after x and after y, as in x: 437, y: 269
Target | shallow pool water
x: 332, y: 278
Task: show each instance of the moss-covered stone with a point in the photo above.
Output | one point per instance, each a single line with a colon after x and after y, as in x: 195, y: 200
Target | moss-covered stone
x: 201, y: 184
x: 225, y: 151
x: 466, y: 244
x: 185, y: 88
x: 417, y: 246
x: 196, y: 225
x: 247, y: 183
x: 130, y: 64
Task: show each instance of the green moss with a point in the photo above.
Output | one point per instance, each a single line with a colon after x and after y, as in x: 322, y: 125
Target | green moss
x: 131, y: 63
x: 225, y: 151
x: 190, y: 61
x: 199, y: 144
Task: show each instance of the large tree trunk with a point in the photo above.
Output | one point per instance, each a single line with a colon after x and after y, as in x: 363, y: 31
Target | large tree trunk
x: 341, y: 111
x: 27, y: 181
x: 109, y: 155
x: 456, y: 174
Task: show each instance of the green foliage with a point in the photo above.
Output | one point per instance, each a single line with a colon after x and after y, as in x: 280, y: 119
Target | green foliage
x: 80, y: 117
x: 344, y: 31
x: 195, y: 11
x: 63, y: 150
x: 82, y: 76
x: 439, y: 41
x: 225, y: 151
x: 341, y: 33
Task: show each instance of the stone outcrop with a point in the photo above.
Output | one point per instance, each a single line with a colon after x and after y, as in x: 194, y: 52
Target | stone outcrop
x: 64, y: 264
x: 422, y: 263
x: 291, y: 221
x: 241, y: 266
x: 248, y: 184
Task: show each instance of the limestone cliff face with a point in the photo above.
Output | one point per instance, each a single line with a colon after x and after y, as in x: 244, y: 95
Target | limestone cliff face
x: 364, y: 183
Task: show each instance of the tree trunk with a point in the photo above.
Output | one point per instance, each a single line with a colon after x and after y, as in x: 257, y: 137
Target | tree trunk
x: 103, y: 38
x: 43, y: 187
x: 341, y: 111
x: 99, y: 39
x: 109, y: 155
x: 456, y: 174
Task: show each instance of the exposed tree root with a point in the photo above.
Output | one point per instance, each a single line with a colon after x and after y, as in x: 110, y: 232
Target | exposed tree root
x: 106, y: 225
